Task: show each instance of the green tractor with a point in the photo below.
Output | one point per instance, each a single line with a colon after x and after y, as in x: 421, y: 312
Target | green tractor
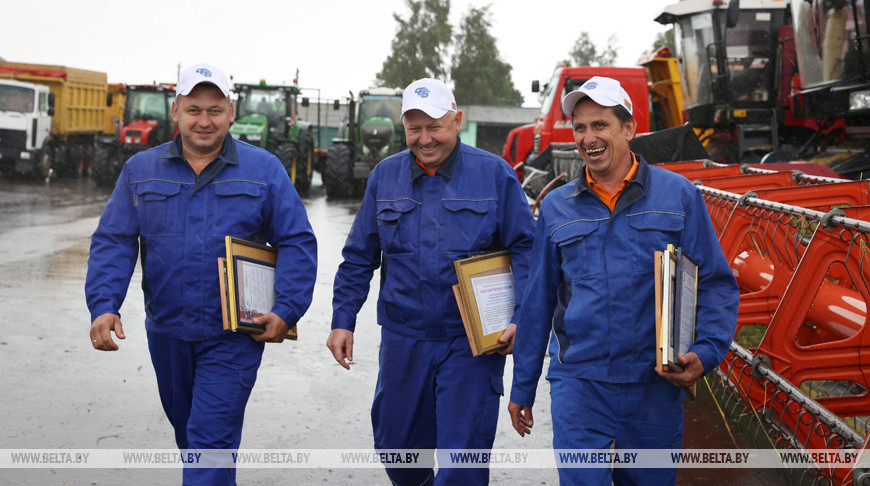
x: 373, y: 132
x: 266, y: 117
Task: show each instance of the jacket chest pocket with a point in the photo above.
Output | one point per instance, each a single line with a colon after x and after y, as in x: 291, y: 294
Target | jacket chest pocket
x: 651, y: 232
x: 236, y: 209
x: 398, y: 226
x: 469, y: 225
x: 579, y: 249
x: 157, y: 205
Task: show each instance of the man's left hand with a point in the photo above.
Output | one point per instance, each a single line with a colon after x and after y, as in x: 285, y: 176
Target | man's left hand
x: 693, y: 370
x: 276, y: 328
x: 508, y: 336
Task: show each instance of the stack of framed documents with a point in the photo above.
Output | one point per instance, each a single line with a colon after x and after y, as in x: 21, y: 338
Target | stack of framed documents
x: 676, y: 294
x: 486, y: 299
x: 247, y: 285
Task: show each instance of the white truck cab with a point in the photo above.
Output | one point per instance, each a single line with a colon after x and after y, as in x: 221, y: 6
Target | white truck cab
x: 25, y: 124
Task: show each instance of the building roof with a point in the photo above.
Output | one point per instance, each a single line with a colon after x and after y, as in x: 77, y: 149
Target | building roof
x: 497, y: 115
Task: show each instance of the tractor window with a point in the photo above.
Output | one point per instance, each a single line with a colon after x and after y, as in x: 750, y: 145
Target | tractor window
x: 390, y: 108
x: 824, y: 33
x: 263, y: 102
x: 549, y: 96
x: 16, y: 98
x: 694, y: 42
x: 146, y: 105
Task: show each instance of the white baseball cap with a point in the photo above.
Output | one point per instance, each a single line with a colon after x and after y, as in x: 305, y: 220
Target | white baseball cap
x: 431, y: 96
x: 604, y: 91
x: 201, y: 73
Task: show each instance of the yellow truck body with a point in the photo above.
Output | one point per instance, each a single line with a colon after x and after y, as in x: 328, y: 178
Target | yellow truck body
x: 115, y: 112
x: 79, y: 94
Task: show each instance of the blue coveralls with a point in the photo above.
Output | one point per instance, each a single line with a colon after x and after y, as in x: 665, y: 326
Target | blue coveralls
x: 177, y: 222
x: 591, y: 286
x: 431, y: 392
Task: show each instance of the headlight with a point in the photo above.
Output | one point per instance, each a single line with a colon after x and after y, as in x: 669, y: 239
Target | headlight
x: 859, y: 100
x: 26, y: 155
x: 255, y: 138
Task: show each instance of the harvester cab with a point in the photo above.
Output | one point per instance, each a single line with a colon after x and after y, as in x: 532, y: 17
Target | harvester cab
x: 266, y: 116
x: 147, y: 122
x: 730, y: 52
x: 833, y: 59
x: 373, y: 132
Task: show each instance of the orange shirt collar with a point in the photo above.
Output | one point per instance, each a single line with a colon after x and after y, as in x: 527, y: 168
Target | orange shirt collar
x: 606, y: 197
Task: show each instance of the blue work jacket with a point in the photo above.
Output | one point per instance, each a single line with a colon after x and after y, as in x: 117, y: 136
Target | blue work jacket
x: 179, y: 222
x: 592, y: 282
x: 414, y: 226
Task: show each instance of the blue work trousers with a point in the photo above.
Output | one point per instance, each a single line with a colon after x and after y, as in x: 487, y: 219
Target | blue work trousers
x: 204, y: 387
x: 590, y: 414
x: 435, y: 395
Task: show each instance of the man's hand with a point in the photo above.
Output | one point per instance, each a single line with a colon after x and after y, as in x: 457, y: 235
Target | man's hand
x: 340, y: 342
x: 693, y: 370
x: 276, y: 328
x: 101, y: 332
x: 508, y: 335
x: 521, y: 418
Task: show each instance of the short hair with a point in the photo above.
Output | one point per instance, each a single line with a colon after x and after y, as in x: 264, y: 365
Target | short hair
x: 621, y: 113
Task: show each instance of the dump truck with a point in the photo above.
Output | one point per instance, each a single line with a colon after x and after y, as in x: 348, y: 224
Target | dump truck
x: 373, y: 132
x: 146, y: 122
x: 50, y: 118
x: 266, y: 116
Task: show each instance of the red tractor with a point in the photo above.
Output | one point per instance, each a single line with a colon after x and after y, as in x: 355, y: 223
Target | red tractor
x: 147, y: 123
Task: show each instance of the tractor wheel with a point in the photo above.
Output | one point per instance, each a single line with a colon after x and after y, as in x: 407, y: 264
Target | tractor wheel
x: 338, y: 176
x: 287, y: 153
x: 304, y: 160
x: 106, y: 166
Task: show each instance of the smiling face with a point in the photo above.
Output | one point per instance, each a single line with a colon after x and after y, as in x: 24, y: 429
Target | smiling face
x: 602, y: 140
x: 431, y: 140
x: 204, y: 117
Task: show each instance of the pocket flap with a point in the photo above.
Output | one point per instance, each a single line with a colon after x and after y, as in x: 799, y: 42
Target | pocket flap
x: 237, y: 188
x: 161, y: 188
x: 393, y: 210
x: 657, y: 221
x: 573, y: 231
x: 479, y: 207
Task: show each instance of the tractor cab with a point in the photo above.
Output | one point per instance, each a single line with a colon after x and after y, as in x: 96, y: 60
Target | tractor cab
x: 380, y: 122
x: 265, y: 114
x: 147, y: 116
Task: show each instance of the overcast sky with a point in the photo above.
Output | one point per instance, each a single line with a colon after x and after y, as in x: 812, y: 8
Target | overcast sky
x: 337, y: 45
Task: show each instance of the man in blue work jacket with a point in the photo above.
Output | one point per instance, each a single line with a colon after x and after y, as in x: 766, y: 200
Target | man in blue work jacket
x: 174, y: 204
x: 424, y: 208
x: 591, y: 286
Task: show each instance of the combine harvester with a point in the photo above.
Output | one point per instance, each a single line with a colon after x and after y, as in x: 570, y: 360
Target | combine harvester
x: 797, y: 373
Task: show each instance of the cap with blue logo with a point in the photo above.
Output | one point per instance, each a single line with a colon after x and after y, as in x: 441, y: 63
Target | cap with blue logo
x: 430, y: 96
x: 604, y: 91
x: 201, y: 73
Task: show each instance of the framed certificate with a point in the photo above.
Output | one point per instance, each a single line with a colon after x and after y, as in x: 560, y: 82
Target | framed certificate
x: 486, y: 299
x: 247, y: 285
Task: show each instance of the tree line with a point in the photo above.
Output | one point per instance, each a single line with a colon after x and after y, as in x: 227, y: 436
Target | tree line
x: 423, y: 42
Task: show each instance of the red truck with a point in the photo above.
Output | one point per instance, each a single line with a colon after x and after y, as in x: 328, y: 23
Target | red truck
x: 528, y: 144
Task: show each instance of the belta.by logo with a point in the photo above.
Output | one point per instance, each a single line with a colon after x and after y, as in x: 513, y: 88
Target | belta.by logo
x: 205, y: 72
x: 422, y: 92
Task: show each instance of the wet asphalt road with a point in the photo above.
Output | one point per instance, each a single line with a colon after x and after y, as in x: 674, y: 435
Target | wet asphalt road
x: 59, y: 393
